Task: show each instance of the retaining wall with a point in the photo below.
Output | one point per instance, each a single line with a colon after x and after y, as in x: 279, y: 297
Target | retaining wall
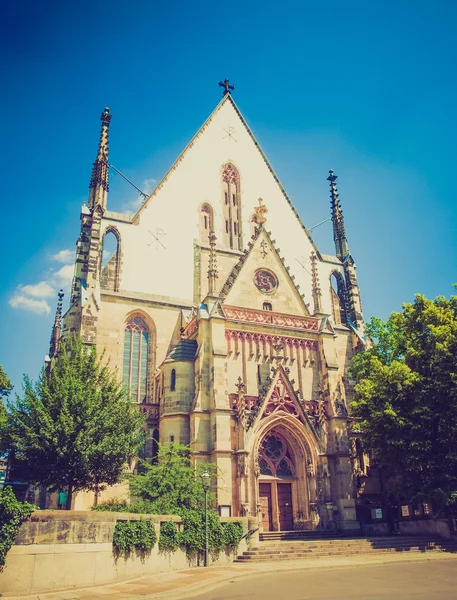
x: 58, y: 550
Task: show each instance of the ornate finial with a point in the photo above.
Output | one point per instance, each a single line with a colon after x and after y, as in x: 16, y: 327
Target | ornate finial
x: 212, y: 264
x: 227, y: 87
x: 279, y: 353
x: 339, y: 234
x: 98, y: 185
x: 260, y: 212
x: 57, y: 327
x: 316, y: 285
x: 240, y: 386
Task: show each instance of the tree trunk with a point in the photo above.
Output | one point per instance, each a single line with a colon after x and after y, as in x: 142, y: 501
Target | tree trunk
x: 96, y: 494
x: 69, y: 496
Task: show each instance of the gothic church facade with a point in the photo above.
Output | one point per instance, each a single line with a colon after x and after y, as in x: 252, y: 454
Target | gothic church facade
x: 227, y: 340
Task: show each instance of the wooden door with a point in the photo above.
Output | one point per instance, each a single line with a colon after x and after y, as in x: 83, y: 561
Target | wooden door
x: 286, y: 515
x: 265, y: 503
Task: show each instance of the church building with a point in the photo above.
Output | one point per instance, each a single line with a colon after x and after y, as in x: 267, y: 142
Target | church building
x: 229, y: 340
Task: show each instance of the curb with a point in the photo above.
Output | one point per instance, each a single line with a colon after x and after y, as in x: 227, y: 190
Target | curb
x: 207, y: 586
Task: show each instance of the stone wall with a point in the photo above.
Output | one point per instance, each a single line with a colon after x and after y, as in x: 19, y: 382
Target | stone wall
x: 432, y: 527
x: 58, y: 550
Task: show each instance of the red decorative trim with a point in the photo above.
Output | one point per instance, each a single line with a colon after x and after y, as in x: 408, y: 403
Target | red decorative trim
x: 271, y: 318
x: 191, y: 329
x: 280, y: 399
x: 250, y: 401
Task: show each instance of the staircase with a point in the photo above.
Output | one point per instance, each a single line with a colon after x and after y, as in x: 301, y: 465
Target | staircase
x: 294, y: 544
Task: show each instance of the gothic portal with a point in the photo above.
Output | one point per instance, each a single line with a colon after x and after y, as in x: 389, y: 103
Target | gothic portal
x: 232, y: 331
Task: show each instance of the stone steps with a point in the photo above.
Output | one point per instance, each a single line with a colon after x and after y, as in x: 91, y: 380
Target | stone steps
x: 345, y: 547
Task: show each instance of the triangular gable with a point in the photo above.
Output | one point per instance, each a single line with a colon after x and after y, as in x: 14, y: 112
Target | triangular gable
x: 244, y: 287
x: 226, y: 99
x: 281, y: 400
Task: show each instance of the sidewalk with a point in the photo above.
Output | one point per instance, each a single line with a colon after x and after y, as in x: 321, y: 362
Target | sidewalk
x: 185, y: 584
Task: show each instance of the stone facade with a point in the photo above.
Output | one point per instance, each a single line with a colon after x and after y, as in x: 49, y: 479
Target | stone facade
x: 219, y: 312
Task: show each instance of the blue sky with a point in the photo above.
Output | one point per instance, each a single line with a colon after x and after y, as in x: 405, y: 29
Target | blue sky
x: 368, y: 89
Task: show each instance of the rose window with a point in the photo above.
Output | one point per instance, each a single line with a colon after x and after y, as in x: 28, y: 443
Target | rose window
x: 265, y: 281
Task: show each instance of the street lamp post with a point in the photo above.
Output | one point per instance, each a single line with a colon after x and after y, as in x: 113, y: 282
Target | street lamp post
x: 206, y: 477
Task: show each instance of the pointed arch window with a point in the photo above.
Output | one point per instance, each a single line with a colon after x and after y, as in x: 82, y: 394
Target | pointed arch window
x: 338, y: 298
x: 275, y: 458
x: 136, y: 356
x: 231, y: 207
x: 110, y: 261
x: 206, y: 222
x: 173, y: 380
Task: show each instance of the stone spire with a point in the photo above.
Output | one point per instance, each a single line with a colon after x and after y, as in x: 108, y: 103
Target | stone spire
x: 212, y: 265
x: 317, y: 294
x: 339, y: 234
x: 57, y: 327
x: 98, y: 187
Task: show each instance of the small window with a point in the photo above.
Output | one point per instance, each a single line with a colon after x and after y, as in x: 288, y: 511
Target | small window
x: 226, y: 226
x: 235, y: 228
x: 234, y: 199
x: 205, y: 220
x: 427, y: 509
x: 172, y: 439
x: 226, y: 198
x: 173, y: 380
x: 267, y: 306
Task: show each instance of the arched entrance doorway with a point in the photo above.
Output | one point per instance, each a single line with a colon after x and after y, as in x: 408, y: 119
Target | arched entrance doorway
x: 283, y: 486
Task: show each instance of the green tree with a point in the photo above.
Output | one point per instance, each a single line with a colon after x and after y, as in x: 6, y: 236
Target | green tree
x: 5, y: 389
x: 76, y: 428
x: 173, y: 484
x: 406, y: 398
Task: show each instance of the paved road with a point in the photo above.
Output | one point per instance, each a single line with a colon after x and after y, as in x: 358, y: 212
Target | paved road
x: 426, y: 581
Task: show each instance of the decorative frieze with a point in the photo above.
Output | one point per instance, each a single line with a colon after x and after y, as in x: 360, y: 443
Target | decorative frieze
x: 271, y: 318
x: 260, y: 344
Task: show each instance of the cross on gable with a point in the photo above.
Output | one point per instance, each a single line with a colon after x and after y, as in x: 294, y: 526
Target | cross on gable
x: 227, y: 87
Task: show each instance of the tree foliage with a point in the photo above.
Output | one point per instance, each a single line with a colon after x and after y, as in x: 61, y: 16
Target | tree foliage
x: 5, y: 389
x: 76, y: 428
x: 406, y: 397
x: 173, y: 484
x: 12, y: 513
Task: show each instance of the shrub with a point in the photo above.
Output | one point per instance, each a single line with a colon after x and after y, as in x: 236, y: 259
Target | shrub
x: 170, y: 538
x: 233, y: 532
x: 193, y: 535
x: 134, y: 535
x: 142, y: 507
x: 12, y: 513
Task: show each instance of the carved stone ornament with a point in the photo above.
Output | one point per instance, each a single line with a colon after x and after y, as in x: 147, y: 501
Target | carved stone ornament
x: 310, y: 468
x: 242, y: 465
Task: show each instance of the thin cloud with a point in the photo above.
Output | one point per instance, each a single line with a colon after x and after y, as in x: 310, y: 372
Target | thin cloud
x: 31, y: 297
x: 64, y: 256
x: 147, y: 186
x: 37, y: 290
x: 64, y: 276
x: 21, y: 301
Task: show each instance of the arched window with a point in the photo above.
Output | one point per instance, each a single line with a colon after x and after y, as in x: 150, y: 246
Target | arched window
x: 136, y: 355
x: 231, y: 207
x: 275, y: 458
x: 173, y: 380
x: 110, y: 261
x: 267, y: 306
x: 338, y: 298
x: 206, y: 222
